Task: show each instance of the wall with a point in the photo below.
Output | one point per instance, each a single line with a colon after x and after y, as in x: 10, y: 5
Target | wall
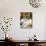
x: 45, y: 28
x: 12, y: 8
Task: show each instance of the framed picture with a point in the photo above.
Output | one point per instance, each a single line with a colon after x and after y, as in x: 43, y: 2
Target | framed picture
x: 26, y: 19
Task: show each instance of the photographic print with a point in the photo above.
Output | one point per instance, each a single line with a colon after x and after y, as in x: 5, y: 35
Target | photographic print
x: 26, y: 19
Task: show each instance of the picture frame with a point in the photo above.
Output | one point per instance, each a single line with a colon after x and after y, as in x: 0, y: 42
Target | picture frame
x: 26, y: 19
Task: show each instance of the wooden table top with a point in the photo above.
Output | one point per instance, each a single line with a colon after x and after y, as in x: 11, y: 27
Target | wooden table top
x: 26, y: 41
x: 42, y: 41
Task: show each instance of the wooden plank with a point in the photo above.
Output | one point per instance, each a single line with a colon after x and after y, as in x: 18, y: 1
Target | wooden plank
x: 25, y: 44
